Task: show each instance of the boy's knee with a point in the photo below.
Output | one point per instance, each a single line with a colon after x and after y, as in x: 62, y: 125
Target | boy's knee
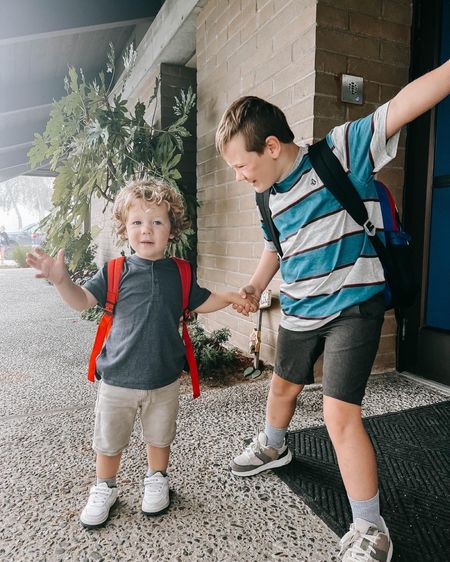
x: 281, y: 388
x: 340, y: 417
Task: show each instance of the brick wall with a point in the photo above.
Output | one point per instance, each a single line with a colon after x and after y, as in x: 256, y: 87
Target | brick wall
x: 263, y: 48
x: 291, y: 53
x: 175, y: 78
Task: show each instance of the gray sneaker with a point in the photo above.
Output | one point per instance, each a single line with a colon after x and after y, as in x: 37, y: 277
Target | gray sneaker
x: 258, y: 457
x: 366, y: 543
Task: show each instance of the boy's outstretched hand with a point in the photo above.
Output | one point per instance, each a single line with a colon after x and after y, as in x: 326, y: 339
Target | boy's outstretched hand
x: 244, y: 305
x: 217, y: 301
x: 248, y: 295
x: 53, y: 269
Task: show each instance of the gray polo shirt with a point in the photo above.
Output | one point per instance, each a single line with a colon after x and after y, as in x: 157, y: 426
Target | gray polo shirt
x: 144, y: 348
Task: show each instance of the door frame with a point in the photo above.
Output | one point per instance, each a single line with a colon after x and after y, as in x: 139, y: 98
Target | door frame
x: 413, y: 335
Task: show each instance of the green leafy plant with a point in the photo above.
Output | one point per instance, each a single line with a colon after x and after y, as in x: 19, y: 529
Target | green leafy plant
x: 19, y: 255
x: 86, y: 269
x: 92, y: 314
x: 84, y: 258
x: 96, y: 142
x: 214, y: 359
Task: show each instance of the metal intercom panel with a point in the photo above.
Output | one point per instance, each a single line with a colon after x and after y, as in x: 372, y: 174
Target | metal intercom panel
x: 352, y: 89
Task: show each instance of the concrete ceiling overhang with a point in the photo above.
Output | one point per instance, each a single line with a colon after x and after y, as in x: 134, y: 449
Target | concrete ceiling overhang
x: 38, y: 42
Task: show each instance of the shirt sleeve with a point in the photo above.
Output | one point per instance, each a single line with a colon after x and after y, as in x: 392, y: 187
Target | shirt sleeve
x: 198, y: 295
x: 97, y: 286
x: 361, y: 145
x: 269, y: 245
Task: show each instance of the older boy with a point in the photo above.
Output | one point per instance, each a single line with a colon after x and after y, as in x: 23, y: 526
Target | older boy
x: 331, y: 295
x: 143, y: 357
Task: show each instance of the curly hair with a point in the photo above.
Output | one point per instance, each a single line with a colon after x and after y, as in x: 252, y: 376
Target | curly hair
x: 154, y: 191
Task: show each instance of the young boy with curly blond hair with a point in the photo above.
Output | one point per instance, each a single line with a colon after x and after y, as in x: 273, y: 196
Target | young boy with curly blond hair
x: 142, y: 359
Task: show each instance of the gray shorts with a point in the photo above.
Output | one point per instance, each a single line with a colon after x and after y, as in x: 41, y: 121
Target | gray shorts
x: 116, y: 409
x: 349, y: 344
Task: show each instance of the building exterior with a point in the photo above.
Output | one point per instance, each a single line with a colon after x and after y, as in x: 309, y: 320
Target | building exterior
x: 294, y: 53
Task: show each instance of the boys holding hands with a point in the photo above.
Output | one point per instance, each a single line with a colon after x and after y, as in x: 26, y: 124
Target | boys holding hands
x: 143, y: 357
x: 331, y: 295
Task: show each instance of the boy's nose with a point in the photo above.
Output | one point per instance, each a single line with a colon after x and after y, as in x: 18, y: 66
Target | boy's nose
x: 239, y: 175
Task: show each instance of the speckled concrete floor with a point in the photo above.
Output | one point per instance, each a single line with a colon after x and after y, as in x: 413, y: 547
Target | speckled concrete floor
x: 46, y: 462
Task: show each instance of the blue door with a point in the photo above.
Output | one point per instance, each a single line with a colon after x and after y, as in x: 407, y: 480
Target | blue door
x: 438, y: 286
x: 423, y: 342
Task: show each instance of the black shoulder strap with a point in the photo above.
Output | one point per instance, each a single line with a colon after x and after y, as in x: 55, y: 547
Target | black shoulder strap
x: 262, y: 200
x: 330, y: 171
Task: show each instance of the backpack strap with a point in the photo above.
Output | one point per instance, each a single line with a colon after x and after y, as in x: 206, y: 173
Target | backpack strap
x: 184, y: 267
x: 262, y: 200
x: 334, y: 178
x: 115, y: 268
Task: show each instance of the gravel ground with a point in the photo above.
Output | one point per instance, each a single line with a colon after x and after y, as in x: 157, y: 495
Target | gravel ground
x: 47, y: 465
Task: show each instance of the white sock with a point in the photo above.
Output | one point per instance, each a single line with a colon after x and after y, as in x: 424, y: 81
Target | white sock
x: 275, y: 437
x: 369, y: 510
x: 111, y: 482
x: 151, y: 472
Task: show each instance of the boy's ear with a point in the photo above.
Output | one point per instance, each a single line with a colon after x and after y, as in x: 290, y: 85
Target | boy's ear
x: 273, y: 145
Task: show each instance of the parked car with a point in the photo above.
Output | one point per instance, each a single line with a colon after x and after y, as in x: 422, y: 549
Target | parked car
x: 28, y: 236
x: 37, y: 236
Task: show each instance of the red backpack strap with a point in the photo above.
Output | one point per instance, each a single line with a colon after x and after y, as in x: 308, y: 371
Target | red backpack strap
x: 115, y: 268
x: 185, y: 270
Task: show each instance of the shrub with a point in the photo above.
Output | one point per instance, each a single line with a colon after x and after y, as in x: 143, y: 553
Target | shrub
x: 19, y: 255
x: 214, y: 359
x: 95, y: 141
x: 86, y: 269
x: 92, y: 314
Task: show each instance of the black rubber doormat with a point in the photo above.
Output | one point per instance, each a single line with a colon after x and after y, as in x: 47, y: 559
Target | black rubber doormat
x: 413, y: 455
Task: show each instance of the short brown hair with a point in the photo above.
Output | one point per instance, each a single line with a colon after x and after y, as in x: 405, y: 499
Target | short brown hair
x: 256, y: 119
x: 154, y: 191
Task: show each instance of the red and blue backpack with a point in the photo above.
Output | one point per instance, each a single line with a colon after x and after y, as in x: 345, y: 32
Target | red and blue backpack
x: 115, y: 268
x: 394, y: 236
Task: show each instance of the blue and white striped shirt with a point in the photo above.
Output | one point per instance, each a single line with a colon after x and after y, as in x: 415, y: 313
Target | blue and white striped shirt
x: 328, y: 261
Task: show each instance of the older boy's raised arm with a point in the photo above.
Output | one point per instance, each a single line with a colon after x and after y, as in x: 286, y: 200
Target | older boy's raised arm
x: 417, y: 97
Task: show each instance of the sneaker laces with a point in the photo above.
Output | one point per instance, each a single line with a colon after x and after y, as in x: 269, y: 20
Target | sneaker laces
x: 253, y: 447
x: 357, y: 552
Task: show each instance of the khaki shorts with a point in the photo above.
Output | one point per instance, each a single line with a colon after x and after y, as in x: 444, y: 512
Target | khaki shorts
x: 115, y: 413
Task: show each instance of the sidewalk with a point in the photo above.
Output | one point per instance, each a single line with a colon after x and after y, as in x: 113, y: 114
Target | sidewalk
x: 47, y: 465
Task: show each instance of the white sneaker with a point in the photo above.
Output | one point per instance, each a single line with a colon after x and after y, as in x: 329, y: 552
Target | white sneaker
x: 258, y: 457
x: 100, y: 501
x: 156, y: 494
x: 366, y: 543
